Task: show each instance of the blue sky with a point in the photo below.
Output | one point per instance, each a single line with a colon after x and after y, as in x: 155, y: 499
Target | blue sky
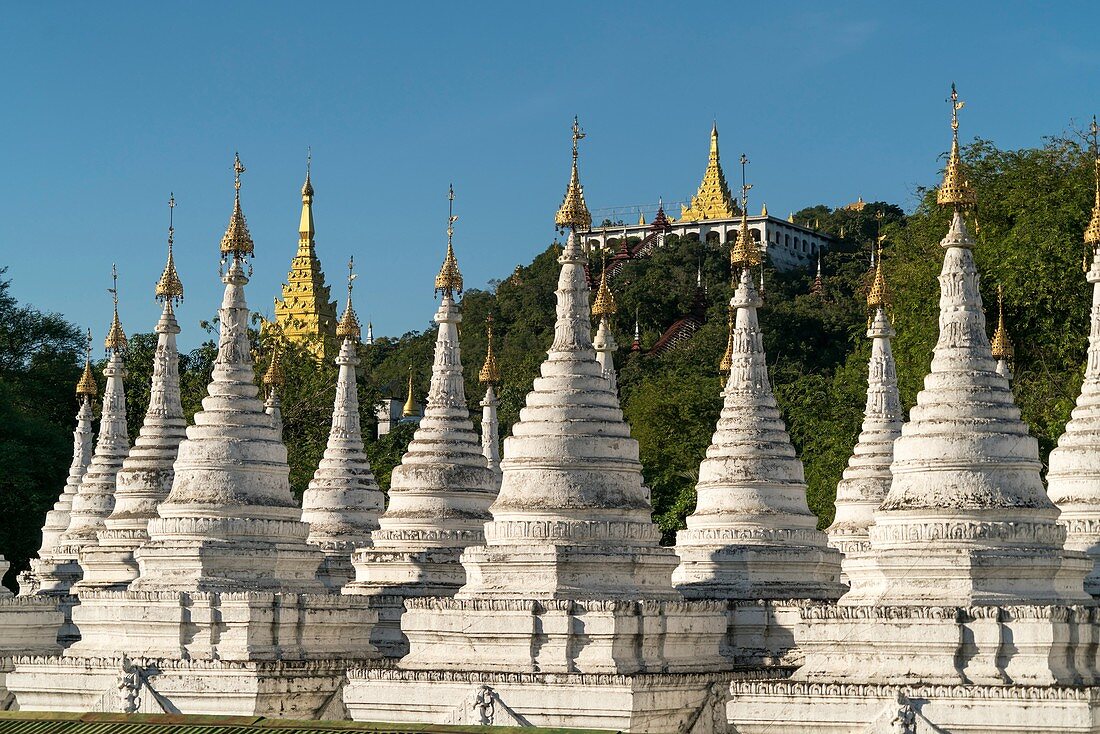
x: 110, y: 106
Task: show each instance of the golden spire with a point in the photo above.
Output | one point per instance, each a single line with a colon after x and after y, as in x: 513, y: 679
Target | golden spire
x: 1092, y: 232
x: 745, y: 253
x: 604, y: 305
x: 237, y: 241
x: 116, y: 337
x: 641, y: 219
x: 274, y: 377
x: 305, y: 228
x: 726, y: 363
x: 449, y: 280
x: 764, y: 210
x: 170, y: 288
x: 573, y: 212
x: 490, y: 372
x: 713, y: 199
x: 1002, y: 347
x: 879, y: 295
x: 409, y: 410
x: 348, y: 328
x: 86, y: 387
x: 956, y: 191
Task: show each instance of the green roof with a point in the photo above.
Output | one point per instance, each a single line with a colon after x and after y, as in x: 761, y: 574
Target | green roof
x: 48, y: 722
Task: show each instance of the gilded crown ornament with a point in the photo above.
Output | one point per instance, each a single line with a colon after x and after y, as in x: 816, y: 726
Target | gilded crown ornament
x: 745, y: 253
x: 116, y: 337
x: 1001, y: 345
x: 490, y: 372
x: 449, y: 280
x: 573, y: 212
x: 726, y: 363
x: 237, y: 241
x: 86, y: 387
x: 170, y: 288
x: 956, y: 191
x: 348, y: 328
x: 274, y: 376
x: 604, y: 305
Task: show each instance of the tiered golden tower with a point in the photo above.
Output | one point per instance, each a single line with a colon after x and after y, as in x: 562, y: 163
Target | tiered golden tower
x: 305, y: 315
x: 713, y: 200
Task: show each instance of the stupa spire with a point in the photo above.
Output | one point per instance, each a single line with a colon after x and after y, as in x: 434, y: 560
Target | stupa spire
x: 343, y: 501
x: 410, y: 409
x: 573, y: 213
x: 1001, y: 345
x: 57, y: 519
x: 603, y: 308
x: 752, y: 534
x: 440, y: 493
x: 866, y: 479
x: 745, y: 253
x: 229, y: 522
x: 965, y: 496
x: 1074, y: 475
x: 490, y: 377
x: 725, y: 364
x: 305, y: 314
x: 274, y: 378
x: 713, y: 199
x: 146, y: 474
x: 95, y: 499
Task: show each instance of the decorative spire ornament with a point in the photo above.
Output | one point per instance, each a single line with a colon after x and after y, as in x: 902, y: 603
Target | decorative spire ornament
x: 274, y: 379
x: 603, y: 308
x: 866, y: 479
x: 1073, y: 480
x: 573, y: 213
x: 636, y: 345
x: 237, y: 241
x: 440, y: 492
x: 745, y: 253
x: 410, y: 409
x: 956, y: 191
x: 726, y: 363
x: 489, y: 376
x: 1001, y: 345
x: 343, y: 501
x: 146, y: 474
x: 370, y: 334
x: 818, y: 287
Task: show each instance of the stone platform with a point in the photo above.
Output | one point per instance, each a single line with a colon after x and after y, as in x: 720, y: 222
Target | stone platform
x: 654, y: 702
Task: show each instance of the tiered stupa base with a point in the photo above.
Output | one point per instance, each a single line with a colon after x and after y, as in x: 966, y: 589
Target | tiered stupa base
x: 973, y: 669
x: 719, y: 564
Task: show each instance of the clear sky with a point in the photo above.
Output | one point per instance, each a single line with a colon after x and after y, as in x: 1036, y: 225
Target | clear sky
x: 108, y: 107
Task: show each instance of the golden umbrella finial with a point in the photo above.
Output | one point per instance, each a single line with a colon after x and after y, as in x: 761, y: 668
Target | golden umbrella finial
x: 490, y: 372
x: 348, y: 328
x: 86, y: 387
x: 573, y: 212
x: 449, y: 280
x: 237, y: 241
x: 116, y: 337
x: 956, y: 191
x: 745, y: 253
x: 274, y: 377
x: 1092, y: 232
x: 170, y: 288
x: 1001, y: 345
x: 604, y: 305
x: 726, y: 363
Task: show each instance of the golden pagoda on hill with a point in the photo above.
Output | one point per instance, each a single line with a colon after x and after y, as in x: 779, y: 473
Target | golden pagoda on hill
x: 713, y: 200
x: 305, y: 315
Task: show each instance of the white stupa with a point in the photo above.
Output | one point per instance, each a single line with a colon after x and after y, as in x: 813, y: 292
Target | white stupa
x: 343, y: 501
x: 146, y: 474
x: 972, y: 617
x: 866, y: 479
x: 1074, y: 474
x: 489, y: 376
x: 752, y: 535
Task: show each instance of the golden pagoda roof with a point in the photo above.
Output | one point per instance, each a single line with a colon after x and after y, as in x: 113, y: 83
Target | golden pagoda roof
x: 879, y: 295
x: 170, y: 287
x: 713, y: 199
x: 604, y: 305
x: 116, y: 337
x: 449, y: 280
x: 86, y: 387
x: 956, y: 190
x: 573, y: 212
x: 348, y: 328
x: 237, y: 240
x: 409, y: 409
x: 1001, y: 345
x: 490, y: 372
x: 274, y: 375
x: 726, y: 363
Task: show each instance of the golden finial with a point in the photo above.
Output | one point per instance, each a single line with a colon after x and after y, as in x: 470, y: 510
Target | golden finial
x: 409, y: 409
x: 275, y: 377
x: 745, y: 253
x: 170, y: 288
x: 726, y: 363
x: 449, y: 280
x: 879, y: 295
x: 490, y: 372
x: 1092, y: 232
x: 604, y: 305
x: 1002, y: 347
x: 348, y: 328
x: 237, y: 241
x: 956, y: 190
x: 764, y: 210
x: 116, y: 337
x: 573, y: 212
x: 307, y: 187
x: 86, y: 387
